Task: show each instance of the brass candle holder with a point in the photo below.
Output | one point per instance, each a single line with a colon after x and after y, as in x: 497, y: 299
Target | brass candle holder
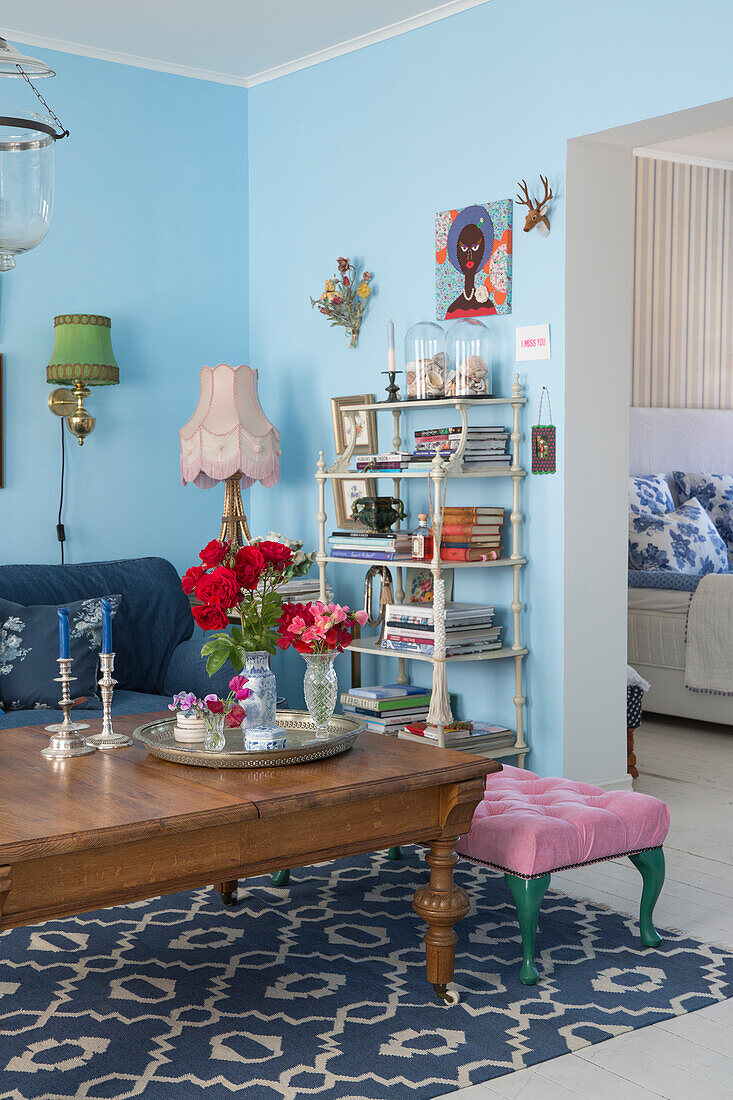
x: 108, y: 739
x: 66, y: 740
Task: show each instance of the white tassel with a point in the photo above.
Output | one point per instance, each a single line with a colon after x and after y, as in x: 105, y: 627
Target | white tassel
x: 440, y: 712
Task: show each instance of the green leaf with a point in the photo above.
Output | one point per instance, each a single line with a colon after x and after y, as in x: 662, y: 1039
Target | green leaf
x: 216, y: 661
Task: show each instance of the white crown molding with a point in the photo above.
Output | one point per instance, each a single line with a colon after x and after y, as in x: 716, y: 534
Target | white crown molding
x: 119, y: 58
x: 683, y: 158
x: 443, y: 11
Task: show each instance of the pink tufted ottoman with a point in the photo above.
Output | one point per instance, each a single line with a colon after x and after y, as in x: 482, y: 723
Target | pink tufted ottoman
x: 529, y: 827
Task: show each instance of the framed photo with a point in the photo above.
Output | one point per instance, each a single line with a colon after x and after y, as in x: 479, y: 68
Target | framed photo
x: 345, y: 493
x: 366, y: 425
x: 419, y: 584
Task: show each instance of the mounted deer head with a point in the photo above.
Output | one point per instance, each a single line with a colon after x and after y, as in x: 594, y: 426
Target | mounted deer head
x: 536, y: 216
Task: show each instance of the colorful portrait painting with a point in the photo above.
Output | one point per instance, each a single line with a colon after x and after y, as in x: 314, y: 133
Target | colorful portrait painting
x: 473, y: 261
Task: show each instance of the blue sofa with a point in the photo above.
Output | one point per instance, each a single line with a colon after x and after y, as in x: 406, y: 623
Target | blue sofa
x: 157, y: 643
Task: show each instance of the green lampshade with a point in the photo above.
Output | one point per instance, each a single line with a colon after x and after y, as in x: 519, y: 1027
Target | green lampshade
x: 82, y: 350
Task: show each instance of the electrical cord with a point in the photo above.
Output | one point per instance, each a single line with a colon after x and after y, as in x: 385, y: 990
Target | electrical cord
x: 60, y: 532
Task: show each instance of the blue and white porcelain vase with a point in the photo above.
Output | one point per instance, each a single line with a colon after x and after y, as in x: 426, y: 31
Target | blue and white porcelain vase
x: 261, y: 706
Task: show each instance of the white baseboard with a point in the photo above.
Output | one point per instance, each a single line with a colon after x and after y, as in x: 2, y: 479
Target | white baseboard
x: 620, y: 783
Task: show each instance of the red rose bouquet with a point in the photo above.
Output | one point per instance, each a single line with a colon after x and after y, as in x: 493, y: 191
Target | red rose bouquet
x: 317, y: 627
x: 242, y: 582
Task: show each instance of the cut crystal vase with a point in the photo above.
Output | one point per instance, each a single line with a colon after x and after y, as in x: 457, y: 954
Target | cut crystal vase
x: 320, y: 687
x: 215, y: 739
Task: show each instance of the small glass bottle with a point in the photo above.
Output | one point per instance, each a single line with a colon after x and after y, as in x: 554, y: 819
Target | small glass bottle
x: 422, y: 539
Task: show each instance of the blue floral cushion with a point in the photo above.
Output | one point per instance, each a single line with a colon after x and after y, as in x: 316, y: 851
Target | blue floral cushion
x: 29, y: 649
x: 684, y: 540
x: 650, y: 496
x: 715, y: 493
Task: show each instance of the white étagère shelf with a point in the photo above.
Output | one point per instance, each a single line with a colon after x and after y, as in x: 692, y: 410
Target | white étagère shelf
x: 439, y: 471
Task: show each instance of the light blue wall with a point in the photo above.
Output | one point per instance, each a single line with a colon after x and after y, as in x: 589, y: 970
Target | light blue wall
x: 150, y: 227
x: 355, y: 156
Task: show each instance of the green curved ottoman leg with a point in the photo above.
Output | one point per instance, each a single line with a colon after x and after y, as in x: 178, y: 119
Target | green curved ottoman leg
x: 651, y: 867
x: 395, y: 853
x: 281, y: 878
x: 528, y: 894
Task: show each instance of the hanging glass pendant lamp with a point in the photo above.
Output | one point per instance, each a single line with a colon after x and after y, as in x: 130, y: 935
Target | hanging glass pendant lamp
x: 27, y: 143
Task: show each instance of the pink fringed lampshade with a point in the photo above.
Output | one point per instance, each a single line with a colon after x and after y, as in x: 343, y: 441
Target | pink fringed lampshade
x: 229, y: 433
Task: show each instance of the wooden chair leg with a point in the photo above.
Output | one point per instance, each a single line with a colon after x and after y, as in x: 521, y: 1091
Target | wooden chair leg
x: 528, y: 894
x: 631, y: 767
x: 651, y: 867
x: 228, y: 891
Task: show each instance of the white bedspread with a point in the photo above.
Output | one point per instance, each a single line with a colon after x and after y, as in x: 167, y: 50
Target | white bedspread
x: 709, y: 655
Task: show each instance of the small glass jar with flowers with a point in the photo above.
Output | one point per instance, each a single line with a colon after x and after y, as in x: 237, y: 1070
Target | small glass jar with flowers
x: 241, y: 584
x: 225, y: 713
x: 319, y: 632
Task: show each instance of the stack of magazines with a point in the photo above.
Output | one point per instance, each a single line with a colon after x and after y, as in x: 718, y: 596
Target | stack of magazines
x: 474, y: 736
x: 484, y: 446
x: 371, y: 546
x: 387, y: 463
x: 469, y: 629
x: 386, y: 708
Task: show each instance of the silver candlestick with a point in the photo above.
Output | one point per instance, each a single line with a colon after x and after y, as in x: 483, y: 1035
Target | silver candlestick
x: 66, y: 740
x: 108, y: 739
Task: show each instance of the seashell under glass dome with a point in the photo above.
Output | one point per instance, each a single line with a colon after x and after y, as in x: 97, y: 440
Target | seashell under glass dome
x: 425, y: 361
x: 468, y: 351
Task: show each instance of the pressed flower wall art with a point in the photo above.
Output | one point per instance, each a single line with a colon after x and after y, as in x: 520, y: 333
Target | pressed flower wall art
x: 345, y: 297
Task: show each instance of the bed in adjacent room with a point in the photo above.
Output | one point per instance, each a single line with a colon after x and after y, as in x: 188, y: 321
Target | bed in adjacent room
x: 680, y: 596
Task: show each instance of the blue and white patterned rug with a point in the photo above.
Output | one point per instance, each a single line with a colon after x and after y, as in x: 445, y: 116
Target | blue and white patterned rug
x: 319, y: 990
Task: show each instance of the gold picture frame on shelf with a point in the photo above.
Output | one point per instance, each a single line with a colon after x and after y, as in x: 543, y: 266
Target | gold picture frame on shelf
x: 366, y: 424
x: 345, y: 492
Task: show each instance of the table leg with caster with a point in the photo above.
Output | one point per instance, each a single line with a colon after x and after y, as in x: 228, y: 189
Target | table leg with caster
x: 228, y: 891
x: 441, y: 903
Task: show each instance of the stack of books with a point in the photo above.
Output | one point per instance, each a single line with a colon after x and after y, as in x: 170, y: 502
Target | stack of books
x: 484, y: 446
x: 386, y: 463
x: 371, y: 546
x: 387, y: 707
x: 481, y: 737
x: 471, y: 534
x: 302, y: 590
x: 469, y: 629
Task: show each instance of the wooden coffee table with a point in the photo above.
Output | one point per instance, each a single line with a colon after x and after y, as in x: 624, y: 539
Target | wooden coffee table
x: 121, y: 825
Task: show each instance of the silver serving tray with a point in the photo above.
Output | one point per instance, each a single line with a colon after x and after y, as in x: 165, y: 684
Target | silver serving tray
x: 303, y: 744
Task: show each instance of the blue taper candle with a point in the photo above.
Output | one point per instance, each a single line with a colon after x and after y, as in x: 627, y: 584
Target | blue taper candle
x: 106, y: 626
x: 64, y: 650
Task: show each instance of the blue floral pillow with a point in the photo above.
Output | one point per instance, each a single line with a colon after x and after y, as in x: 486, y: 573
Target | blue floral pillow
x: 650, y: 496
x: 715, y: 493
x: 683, y: 541
x: 29, y: 648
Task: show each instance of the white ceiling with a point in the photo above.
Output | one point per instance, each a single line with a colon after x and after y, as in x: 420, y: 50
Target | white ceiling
x: 713, y: 148
x: 241, y: 42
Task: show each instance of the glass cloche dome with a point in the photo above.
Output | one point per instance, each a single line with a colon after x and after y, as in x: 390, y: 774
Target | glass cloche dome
x: 425, y: 361
x: 468, y: 350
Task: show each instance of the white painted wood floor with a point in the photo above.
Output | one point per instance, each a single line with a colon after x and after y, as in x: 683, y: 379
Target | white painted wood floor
x: 690, y: 1057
